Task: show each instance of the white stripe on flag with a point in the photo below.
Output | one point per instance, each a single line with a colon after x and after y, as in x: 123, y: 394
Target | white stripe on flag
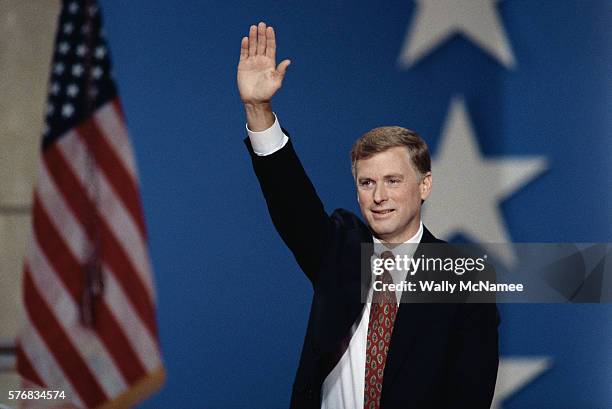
x: 122, y: 225
x: 61, y: 215
x: 91, y: 350
x: 114, y: 131
x: 44, y: 362
x: 114, y: 298
x: 137, y: 333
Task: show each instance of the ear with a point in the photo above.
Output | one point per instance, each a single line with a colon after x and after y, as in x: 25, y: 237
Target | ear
x: 425, y: 186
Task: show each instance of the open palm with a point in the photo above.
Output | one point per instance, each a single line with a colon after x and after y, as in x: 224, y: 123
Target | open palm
x: 258, y: 76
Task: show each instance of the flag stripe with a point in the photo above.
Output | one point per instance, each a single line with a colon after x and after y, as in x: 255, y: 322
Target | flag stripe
x: 71, y: 238
x: 117, y: 175
x: 58, y: 209
x: 110, y: 121
x: 69, y: 272
x: 112, y: 253
x: 119, y: 346
x: 139, y: 336
x: 43, y: 361
x: 25, y: 368
x: 61, y: 304
x: 122, y: 225
x: 74, y: 236
x: 60, y: 346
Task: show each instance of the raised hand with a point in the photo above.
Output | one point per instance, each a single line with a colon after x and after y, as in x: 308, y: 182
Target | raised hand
x: 258, y: 76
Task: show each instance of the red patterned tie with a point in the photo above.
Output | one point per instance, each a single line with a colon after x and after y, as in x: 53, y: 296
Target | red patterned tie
x: 380, y: 328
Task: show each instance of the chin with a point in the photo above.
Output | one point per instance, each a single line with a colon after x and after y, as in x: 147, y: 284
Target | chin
x: 380, y: 231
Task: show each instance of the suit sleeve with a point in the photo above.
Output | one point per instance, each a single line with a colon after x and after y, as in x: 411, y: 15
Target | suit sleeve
x: 473, y: 371
x: 294, y: 206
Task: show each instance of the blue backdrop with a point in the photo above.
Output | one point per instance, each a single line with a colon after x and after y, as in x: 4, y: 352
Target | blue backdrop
x: 232, y: 302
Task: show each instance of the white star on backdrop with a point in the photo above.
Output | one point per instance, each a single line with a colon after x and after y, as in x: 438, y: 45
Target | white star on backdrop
x: 468, y: 187
x: 437, y: 20
x: 68, y: 28
x: 100, y: 52
x: 55, y: 88
x: 77, y: 70
x: 58, y: 68
x: 72, y: 90
x: 73, y: 7
x: 97, y: 72
x: 81, y: 50
x: 514, y: 374
x: 67, y: 110
x: 63, y: 47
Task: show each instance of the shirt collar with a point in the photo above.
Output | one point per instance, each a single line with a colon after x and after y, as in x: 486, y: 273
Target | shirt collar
x: 406, y: 248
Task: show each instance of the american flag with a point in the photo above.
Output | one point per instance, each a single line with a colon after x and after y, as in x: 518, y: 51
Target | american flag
x: 90, y: 326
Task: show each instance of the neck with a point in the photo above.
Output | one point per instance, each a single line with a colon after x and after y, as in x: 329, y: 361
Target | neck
x: 409, y: 233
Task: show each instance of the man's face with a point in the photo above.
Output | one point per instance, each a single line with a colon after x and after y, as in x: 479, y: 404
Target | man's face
x: 390, y: 194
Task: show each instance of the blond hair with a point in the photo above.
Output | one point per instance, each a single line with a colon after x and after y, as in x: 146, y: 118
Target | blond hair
x: 383, y: 138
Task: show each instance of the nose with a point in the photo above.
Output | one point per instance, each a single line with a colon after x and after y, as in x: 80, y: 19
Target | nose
x: 380, y: 193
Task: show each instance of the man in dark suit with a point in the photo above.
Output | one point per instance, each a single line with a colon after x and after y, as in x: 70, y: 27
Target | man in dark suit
x: 381, y: 353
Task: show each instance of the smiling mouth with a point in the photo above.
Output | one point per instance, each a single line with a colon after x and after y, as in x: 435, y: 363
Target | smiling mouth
x: 383, y: 212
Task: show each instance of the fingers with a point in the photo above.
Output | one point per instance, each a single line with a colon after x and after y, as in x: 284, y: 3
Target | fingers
x: 270, y: 43
x: 261, y: 41
x: 282, y: 67
x: 252, y: 41
x: 261, y: 38
x: 244, y: 48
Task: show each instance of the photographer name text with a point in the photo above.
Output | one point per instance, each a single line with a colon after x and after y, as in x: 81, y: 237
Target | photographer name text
x: 432, y: 286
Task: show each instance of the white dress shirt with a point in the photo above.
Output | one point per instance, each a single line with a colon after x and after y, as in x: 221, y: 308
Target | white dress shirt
x: 343, y: 386
x: 267, y: 142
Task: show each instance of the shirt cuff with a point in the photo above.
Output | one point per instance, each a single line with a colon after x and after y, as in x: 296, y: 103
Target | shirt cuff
x: 267, y: 142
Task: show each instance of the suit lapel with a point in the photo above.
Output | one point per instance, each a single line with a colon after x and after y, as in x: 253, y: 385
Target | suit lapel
x: 407, y: 320
x: 356, y: 285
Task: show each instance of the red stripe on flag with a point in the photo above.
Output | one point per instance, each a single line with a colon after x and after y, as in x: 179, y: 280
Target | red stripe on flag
x: 71, y: 274
x: 56, y: 251
x: 112, y: 166
x: 25, y: 369
x: 60, y: 346
x: 111, y: 251
x: 119, y: 346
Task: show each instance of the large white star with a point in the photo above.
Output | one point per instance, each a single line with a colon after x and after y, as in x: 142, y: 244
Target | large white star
x: 514, y: 374
x: 437, y: 20
x: 468, y: 187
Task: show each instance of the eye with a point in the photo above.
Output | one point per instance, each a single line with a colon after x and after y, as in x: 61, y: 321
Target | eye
x: 394, y: 181
x: 365, y: 183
